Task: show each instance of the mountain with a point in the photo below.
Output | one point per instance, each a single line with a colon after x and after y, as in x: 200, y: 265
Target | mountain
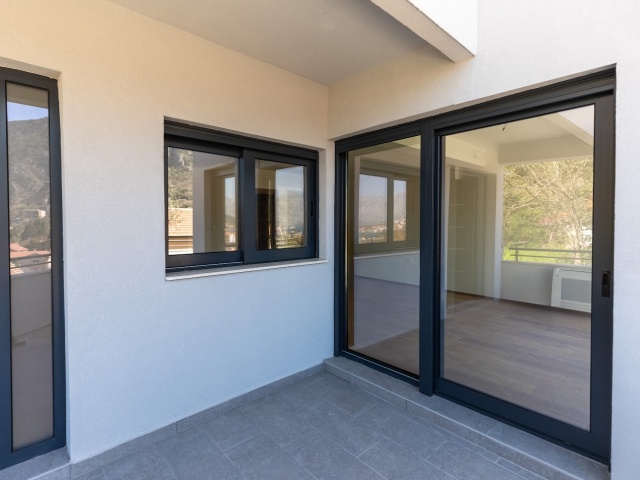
x: 28, y: 165
x: 373, y: 209
x: 290, y: 209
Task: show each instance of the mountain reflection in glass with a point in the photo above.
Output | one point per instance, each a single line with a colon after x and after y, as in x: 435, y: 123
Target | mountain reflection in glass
x: 30, y: 264
x: 372, y: 210
x: 202, y: 202
x: 280, y: 198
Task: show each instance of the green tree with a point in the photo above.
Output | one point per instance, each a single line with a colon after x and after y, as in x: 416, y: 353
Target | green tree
x: 549, y: 205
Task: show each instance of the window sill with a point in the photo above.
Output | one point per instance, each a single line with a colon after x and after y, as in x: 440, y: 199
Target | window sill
x: 242, y: 269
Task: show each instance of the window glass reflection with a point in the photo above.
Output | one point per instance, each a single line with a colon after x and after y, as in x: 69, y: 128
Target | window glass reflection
x: 383, y: 257
x: 280, y: 197
x: 30, y: 264
x: 202, y: 202
x: 372, y: 213
x: 399, y: 210
x: 518, y: 229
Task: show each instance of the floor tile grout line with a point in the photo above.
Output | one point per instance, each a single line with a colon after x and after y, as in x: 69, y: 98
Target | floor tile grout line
x: 239, y: 443
x: 366, y: 450
x: 435, y: 451
x: 372, y: 469
x: 166, y: 462
x: 355, y: 377
x: 365, y: 463
x: 228, y: 457
x: 464, y: 442
x: 486, y: 434
x: 266, y: 434
x: 414, y: 417
x: 520, y: 467
x: 307, y: 470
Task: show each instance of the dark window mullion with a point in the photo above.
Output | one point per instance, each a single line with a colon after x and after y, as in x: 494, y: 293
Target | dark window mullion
x: 248, y: 205
x: 6, y: 433
x: 312, y: 205
x: 57, y: 273
x: 390, y: 208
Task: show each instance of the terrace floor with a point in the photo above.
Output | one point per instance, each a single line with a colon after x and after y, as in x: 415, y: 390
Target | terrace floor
x: 346, y: 422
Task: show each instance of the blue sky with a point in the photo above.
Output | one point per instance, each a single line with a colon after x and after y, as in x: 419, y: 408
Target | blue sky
x: 19, y: 111
x: 371, y: 186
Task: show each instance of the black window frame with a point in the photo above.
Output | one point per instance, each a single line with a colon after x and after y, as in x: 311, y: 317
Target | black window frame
x: 8, y: 455
x: 247, y: 151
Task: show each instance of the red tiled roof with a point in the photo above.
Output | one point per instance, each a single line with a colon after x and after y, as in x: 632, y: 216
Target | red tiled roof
x: 181, y: 222
x: 16, y: 247
x: 26, y: 253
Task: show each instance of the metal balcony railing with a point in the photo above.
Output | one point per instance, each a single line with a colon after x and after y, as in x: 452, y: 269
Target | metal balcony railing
x: 550, y: 255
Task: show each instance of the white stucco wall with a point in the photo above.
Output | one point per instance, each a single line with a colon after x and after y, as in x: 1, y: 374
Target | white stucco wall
x: 143, y: 352
x: 521, y: 44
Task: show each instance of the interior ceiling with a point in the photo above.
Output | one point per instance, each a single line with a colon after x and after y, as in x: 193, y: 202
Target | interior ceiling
x: 573, y: 123
x: 321, y: 40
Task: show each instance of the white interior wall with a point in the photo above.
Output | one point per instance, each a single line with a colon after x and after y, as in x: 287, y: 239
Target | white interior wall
x: 391, y: 266
x: 141, y: 351
x: 521, y: 44
x: 491, y: 221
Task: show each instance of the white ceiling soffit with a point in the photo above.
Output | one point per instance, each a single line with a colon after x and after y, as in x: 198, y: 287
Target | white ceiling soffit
x: 322, y: 40
x: 451, y: 26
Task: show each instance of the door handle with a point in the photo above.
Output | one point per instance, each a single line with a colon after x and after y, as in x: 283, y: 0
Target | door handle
x: 606, y: 283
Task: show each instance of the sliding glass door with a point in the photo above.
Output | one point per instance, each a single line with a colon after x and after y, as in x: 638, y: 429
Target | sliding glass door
x: 31, y: 338
x: 383, y: 256
x: 475, y: 253
x: 518, y: 239
x: 525, y: 267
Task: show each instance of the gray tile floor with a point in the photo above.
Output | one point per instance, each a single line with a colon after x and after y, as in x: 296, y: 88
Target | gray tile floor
x: 320, y: 428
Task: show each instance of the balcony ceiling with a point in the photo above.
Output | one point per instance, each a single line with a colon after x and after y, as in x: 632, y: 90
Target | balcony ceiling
x: 322, y: 40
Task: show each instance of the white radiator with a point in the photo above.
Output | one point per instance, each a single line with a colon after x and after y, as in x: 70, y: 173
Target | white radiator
x: 571, y: 288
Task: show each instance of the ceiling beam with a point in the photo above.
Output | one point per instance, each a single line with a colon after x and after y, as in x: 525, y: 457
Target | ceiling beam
x: 451, y: 26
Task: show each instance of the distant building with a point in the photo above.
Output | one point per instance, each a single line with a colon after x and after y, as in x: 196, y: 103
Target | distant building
x: 181, y: 230
x: 32, y: 213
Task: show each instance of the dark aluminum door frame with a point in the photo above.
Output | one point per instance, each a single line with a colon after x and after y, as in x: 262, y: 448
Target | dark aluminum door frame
x: 596, y: 91
x: 8, y: 456
x: 596, y: 88
x: 343, y: 147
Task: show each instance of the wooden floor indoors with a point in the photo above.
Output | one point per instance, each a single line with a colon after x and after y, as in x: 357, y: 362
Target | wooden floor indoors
x: 533, y: 356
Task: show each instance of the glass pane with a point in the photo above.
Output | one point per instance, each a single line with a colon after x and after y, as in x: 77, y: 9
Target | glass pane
x: 399, y: 210
x: 281, y: 213
x: 202, y: 203
x: 383, y: 277
x: 518, y: 208
x: 30, y: 264
x: 372, y: 211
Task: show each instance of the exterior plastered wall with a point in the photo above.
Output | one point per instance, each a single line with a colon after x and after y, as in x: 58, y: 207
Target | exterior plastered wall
x: 143, y: 352
x: 523, y: 44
